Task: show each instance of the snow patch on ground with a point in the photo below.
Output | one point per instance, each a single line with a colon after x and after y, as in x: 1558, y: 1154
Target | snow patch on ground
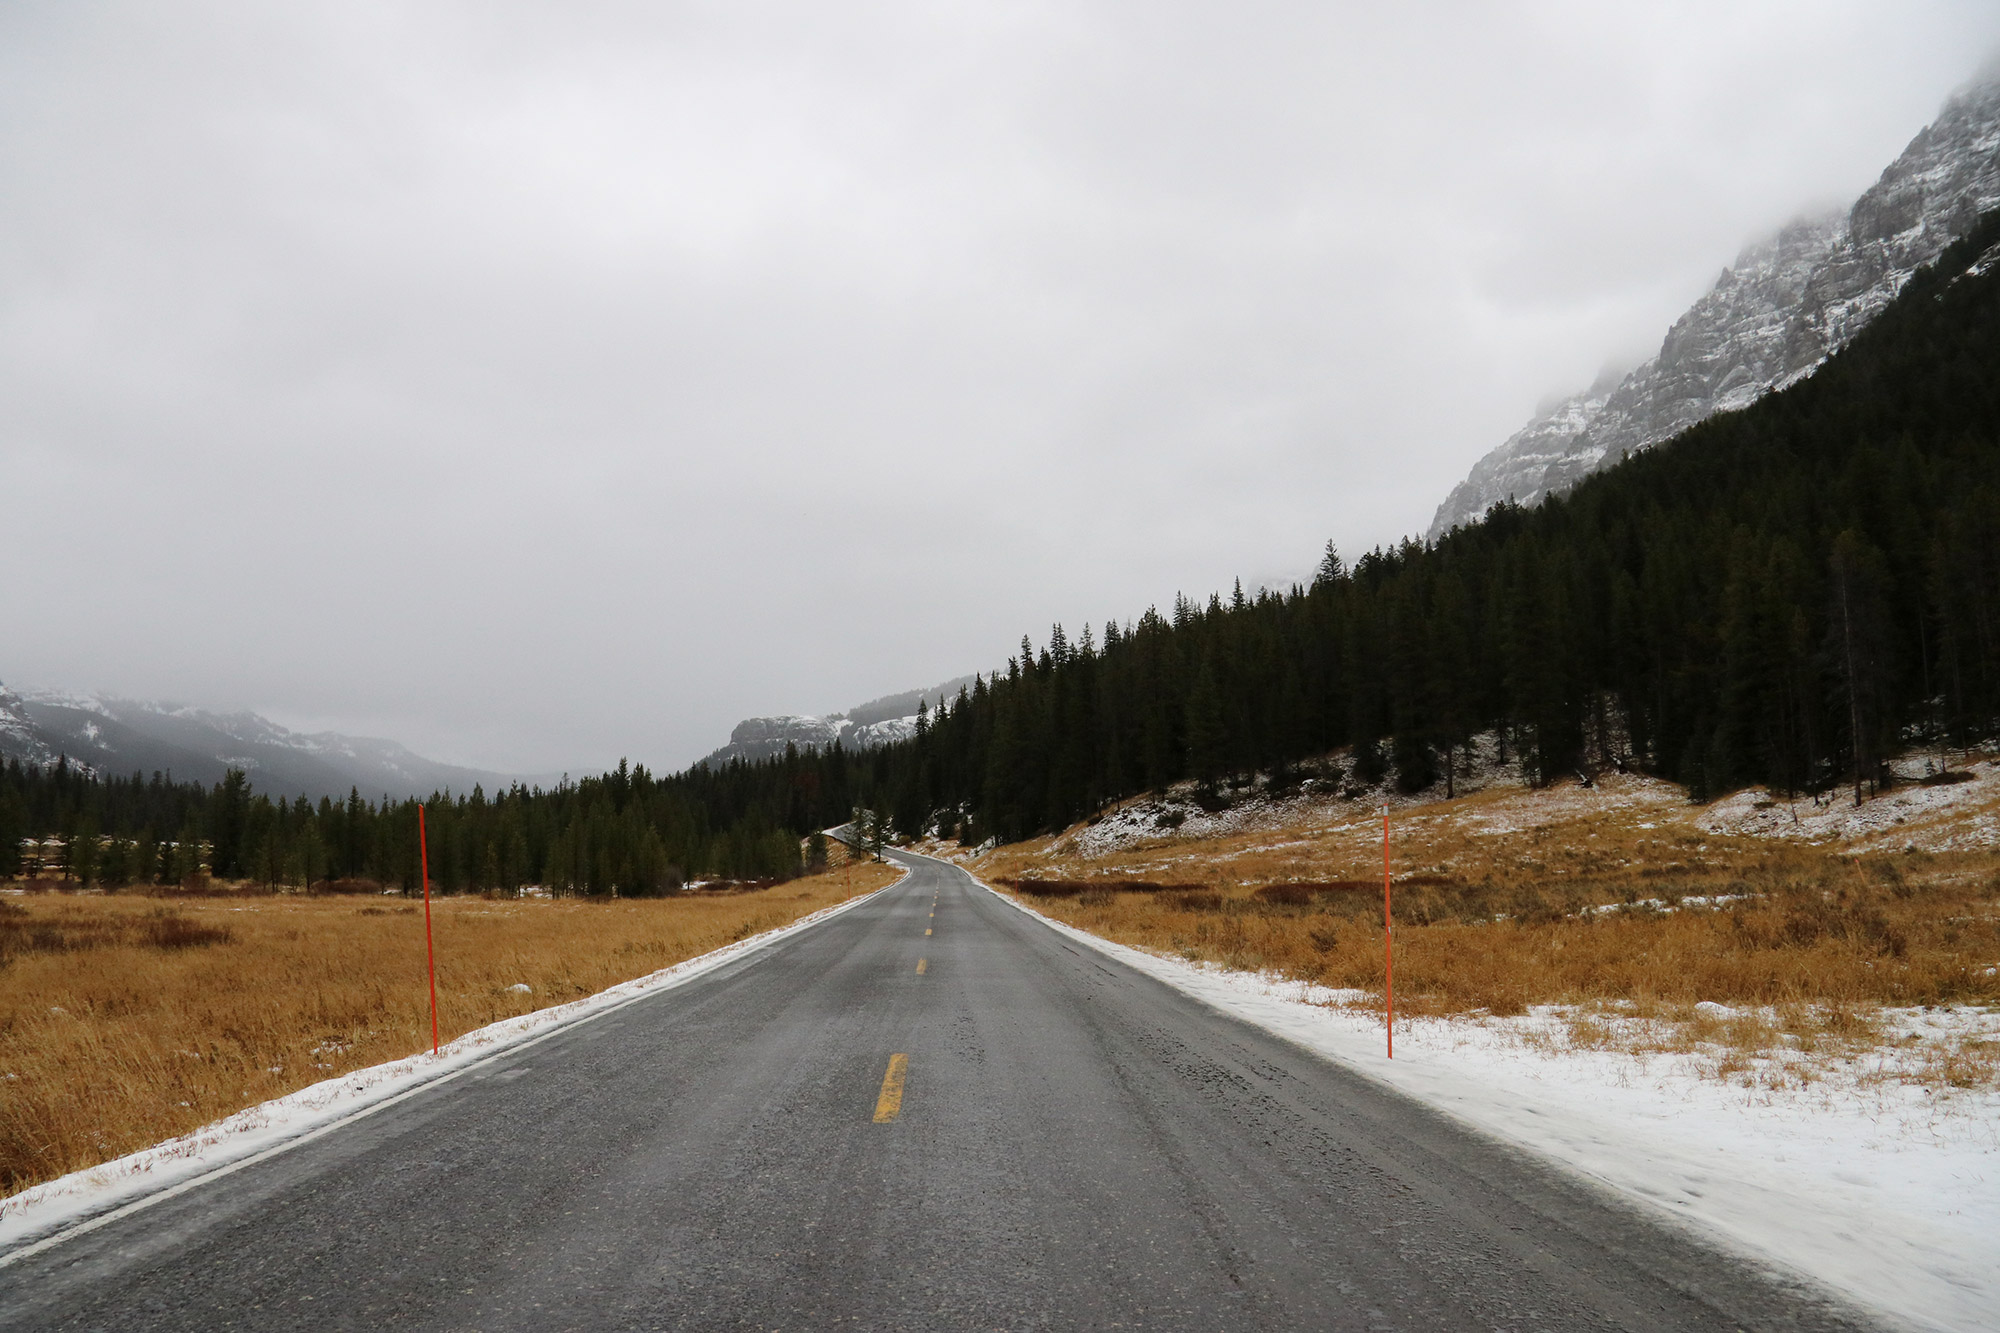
x: 1338, y: 802
x: 1693, y: 901
x: 1871, y: 1186
x: 943, y: 849
x: 1947, y: 817
x: 42, y: 1211
x: 1570, y: 801
x: 1962, y: 816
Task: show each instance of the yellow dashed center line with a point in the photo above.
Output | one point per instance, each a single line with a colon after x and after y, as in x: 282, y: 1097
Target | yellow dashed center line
x: 927, y: 930
x: 890, y: 1104
x: 922, y: 963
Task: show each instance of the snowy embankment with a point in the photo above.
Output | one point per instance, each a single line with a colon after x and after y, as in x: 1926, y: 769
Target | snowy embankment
x: 1878, y: 1190
x: 1962, y: 816
x: 1322, y: 804
x: 48, y: 1213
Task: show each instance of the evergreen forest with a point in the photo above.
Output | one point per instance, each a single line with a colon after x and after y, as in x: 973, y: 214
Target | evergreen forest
x: 1789, y: 594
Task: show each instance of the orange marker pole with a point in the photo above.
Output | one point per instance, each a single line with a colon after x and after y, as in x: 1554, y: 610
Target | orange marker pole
x: 430, y: 949
x: 1388, y: 945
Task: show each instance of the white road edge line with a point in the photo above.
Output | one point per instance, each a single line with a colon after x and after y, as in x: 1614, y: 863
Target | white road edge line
x: 737, y: 950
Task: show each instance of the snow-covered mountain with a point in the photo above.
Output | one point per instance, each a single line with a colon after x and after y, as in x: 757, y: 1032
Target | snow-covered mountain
x: 111, y: 735
x: 877, y: 722
x: 19, y: 738
x: 762, y: 737
x: 1772, y: 317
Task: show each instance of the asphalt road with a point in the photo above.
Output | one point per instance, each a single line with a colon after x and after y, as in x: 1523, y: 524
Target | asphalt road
x: 1074, y: 1146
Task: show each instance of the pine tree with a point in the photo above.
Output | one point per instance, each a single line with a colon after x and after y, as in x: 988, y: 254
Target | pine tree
x: 13, y: 829
x: 230, y: 813
x: 1208, y: 738
x: 84, y: 851
x: 1859, y: 645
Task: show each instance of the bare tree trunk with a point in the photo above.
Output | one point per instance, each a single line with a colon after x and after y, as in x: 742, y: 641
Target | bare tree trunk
x: 1853, y: 694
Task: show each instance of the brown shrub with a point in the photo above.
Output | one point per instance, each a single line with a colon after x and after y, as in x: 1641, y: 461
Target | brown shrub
x: 202, y: 886
x: 1036, y: 887
x: 1045, y: 888
x: 346, y: 887
x: 172, y: 931
x: 1303, y: 893
x: 22, y: 933
x: 77, y: 928
x: 1287, y: 895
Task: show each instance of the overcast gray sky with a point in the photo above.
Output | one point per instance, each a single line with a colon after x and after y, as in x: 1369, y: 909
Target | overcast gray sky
x: 536, y: 384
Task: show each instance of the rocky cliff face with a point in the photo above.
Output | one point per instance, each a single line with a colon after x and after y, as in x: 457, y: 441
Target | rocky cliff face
x: 863, y: 727
x: 1773, y: 316
x: 757, y: 738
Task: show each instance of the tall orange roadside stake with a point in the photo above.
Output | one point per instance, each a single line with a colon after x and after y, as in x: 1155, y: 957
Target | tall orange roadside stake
x: 1388, y: 945
x: 430, y: 949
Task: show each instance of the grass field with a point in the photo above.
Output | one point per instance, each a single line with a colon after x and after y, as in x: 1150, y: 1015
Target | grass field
x: 125, y: 1020
x: 1617, y: 902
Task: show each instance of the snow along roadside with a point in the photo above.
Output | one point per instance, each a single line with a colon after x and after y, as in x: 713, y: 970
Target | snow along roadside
x: 1895, y: 1207
x: 45, y: 1215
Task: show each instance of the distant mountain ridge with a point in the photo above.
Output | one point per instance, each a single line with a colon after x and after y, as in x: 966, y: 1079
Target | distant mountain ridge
x: 882, y: 721
x: 1772, y: 318
x: 112, y: 736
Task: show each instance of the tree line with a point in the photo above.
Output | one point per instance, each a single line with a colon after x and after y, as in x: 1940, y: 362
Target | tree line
x: 1788, y: 594
x: 627, y: 830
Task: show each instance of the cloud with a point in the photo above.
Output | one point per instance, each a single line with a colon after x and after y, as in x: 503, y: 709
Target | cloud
x: 539, y: 385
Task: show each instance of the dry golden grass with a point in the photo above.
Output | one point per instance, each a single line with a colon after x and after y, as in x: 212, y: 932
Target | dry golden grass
x: 1807, y: 931
x: 1611, y: 900
x: 126, y: 1020
x: 1788, y: 1046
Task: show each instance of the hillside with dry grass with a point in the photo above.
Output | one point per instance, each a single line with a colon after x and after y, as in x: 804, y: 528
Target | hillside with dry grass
x: 1643, y: 918
x: 126, y: 1019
